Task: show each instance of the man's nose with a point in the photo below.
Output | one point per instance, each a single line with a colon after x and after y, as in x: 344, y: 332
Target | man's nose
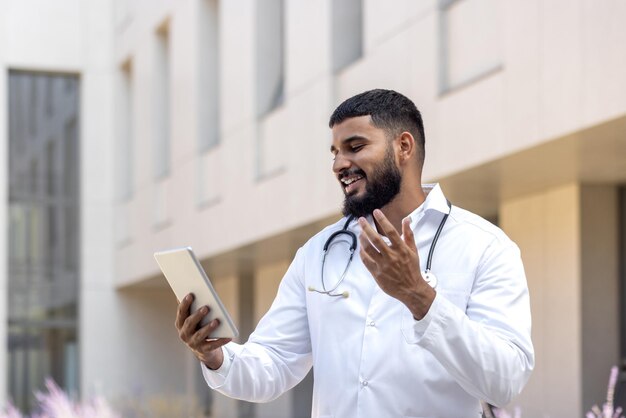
x: 340, y: 163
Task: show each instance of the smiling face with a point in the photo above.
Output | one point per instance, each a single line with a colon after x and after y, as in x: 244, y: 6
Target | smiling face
x: 365, y: 165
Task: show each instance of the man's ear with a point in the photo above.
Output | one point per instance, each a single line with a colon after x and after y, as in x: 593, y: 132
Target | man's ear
x: 406, y: 147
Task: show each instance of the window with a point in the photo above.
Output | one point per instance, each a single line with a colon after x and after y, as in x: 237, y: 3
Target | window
x: 125, y: 140
x: 347, y: 32
x: 469, y: 41
x: 42, y: 286
x: 208, y: 75
x: 162, y: 104
x: 270, y: 60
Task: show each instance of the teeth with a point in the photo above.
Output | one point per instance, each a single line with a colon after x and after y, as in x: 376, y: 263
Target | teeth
x: 350, y: 180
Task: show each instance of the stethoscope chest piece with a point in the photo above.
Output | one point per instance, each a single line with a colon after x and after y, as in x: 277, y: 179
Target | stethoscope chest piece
x: 430, y: 278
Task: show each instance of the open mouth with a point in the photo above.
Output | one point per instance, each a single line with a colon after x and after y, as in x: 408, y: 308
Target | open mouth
x: 351, y: 183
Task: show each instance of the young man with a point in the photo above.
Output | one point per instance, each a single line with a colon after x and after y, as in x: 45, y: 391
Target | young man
x: 428, y: 317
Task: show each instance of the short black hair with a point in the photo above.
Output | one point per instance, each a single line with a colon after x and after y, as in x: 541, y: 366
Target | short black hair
x: 390, y: 111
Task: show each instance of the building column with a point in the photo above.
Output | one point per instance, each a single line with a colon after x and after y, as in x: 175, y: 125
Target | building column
x: 546, y: 227
x: 568, y: 239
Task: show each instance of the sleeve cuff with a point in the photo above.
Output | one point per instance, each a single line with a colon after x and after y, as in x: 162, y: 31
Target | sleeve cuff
x: 414, y: 329
x: 216, y: 378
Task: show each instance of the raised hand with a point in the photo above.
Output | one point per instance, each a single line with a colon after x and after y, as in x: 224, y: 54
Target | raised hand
x: 395, y: 267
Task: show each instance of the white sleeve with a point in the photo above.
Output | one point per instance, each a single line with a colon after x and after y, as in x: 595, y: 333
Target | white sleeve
x: 215, y: 378
x: 278, y: 354
x: 487, y: 348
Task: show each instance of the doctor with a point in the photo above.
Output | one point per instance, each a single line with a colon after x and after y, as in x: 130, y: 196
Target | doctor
x: 427, y: 317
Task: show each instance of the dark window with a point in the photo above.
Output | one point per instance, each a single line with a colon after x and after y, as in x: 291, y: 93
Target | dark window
x: 43, y: 234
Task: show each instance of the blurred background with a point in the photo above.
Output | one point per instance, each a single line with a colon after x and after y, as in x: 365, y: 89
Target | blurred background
x: 129, y: 126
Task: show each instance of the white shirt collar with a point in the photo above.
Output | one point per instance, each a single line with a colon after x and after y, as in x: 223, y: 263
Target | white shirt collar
x: 435, y: 200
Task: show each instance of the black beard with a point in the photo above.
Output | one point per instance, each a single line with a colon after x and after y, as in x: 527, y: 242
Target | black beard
x: 382, y: 186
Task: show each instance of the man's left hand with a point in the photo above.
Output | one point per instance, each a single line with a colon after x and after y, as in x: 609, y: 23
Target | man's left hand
x: 396, y: 267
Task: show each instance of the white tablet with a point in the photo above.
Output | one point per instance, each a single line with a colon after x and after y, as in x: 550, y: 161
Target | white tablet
x: 185, y: 275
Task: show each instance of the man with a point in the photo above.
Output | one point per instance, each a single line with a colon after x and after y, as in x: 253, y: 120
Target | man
x: 430, y: 316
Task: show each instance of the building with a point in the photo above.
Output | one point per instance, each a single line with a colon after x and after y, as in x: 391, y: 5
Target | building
x: 204, y: 123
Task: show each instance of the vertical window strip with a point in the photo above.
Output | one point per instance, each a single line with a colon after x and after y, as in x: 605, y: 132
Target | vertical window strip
x: 347, y: 33
x: 162, y: 104
x: 208, y: 75
x: 270, y: 59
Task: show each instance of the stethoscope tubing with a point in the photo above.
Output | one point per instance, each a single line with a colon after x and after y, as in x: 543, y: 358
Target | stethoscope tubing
x: 353, y: 246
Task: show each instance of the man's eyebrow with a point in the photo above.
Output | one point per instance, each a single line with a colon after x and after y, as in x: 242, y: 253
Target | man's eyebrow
x: 348, y: 140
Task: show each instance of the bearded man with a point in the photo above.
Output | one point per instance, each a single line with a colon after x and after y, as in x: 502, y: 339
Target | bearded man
x: 427, y: 317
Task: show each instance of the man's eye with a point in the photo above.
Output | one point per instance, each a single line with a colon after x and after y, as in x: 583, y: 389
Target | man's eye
x: 356, y: 148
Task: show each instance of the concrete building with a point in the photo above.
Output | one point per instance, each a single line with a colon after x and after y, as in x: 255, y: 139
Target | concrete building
x: 204, y: 123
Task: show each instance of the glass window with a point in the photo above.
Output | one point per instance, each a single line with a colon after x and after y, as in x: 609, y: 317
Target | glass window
x: 125, y: 139
x: 208, y: 80
x: 43, y: 185
x: 270, y: 60
x: 347, y: 36
x: 161, y: 149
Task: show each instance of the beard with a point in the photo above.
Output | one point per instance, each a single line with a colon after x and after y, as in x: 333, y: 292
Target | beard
x: 381, y: 187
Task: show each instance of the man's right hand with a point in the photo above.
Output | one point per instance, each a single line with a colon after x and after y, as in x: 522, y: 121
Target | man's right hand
x: 207, y: 350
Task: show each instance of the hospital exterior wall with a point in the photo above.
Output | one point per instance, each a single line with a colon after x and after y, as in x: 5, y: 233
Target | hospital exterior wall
x: 546, y: 227
x: 537, y: 95
x: 50, y: 37
x: 74, y: 37
x: 562, y: 71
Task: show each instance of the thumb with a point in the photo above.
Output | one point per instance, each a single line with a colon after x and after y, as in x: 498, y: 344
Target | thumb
x: 407, y: 234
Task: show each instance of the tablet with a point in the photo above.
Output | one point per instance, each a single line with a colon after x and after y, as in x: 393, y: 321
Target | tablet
x: 185, y: 275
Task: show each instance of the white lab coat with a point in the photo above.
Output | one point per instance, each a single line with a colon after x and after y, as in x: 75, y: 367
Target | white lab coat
x: 371, y: 358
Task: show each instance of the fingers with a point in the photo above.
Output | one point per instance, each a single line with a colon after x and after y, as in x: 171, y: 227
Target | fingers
x: 407, y: 234
x: 204, y: 333
x: 211, y: 345
x: 370, y: 237
x: 367, y: 248
x: 387, y: 228
x: 190, y: 326
x: 369, y: 262
x: 183, y: 311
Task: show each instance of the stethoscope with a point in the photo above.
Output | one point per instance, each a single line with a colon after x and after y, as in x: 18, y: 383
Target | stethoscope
x: 428, y: 275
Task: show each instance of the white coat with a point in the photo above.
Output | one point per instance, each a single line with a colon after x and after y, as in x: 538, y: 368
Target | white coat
x: 371, y: 358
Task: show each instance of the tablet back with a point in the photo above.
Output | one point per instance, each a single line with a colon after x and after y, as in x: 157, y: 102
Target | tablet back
x: 185, y: 275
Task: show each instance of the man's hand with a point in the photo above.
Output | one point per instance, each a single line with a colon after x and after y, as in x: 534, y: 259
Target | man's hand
x: 396, y: 267
x: 206, y: 350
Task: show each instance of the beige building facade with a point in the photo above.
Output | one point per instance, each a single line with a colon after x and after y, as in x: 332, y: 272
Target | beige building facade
x: 203, y: 123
